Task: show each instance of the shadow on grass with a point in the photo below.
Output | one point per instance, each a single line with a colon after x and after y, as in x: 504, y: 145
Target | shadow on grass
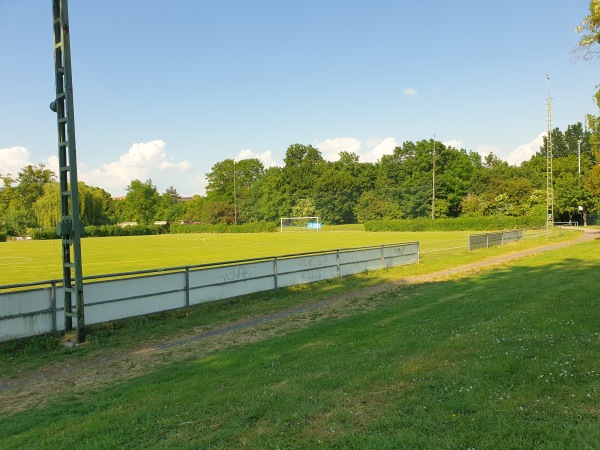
x: 506, y: 358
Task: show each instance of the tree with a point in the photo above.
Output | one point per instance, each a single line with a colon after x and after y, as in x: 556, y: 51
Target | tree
x: 568, y: 194
x: 559, y: 145
x: 31, y: 182
x: 589, y: 30
x: 194, y: 209
x: 93, y: 206
x: 47, y: 207
x: 268, y: 198
x: 376, y: 206
x: 230, y: 181
x: 29, y: 188
x: 7, y: 194
x: 170, y: 207
x: 141, y: 202
x: 304, y: 207
x: 591, y: 184
x: 220, y: 182
x: 219, y: 212
x: 303, y: 165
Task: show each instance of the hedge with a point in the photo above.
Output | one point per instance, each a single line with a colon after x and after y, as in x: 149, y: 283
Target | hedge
x: 44, y: 234
x: 104, y: 231
x: 130, y: 230
x: 488, y: 223
x: 255, y: 227
x: 2, y: 236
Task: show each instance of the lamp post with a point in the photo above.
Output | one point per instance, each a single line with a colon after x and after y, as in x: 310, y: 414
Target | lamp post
x: 433, y: 184
x: 579, y: 157
x: 234, y: 196
x: 579, y: 175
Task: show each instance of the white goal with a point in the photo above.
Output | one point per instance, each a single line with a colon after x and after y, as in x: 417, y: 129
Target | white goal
x: 301, y: 224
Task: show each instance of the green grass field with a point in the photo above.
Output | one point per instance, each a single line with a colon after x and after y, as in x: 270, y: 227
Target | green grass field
x: 30, y: 261
x: 503, y: 358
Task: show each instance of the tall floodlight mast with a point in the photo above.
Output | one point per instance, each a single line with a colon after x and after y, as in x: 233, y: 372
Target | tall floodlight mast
x: 69, y: 226
x: 549, y: 183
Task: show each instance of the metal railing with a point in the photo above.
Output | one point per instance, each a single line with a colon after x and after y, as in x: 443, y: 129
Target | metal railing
x: 486, y: 240
x: 29, y: 309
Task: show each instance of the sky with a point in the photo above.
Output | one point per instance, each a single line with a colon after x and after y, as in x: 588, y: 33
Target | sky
x: 165, y: 90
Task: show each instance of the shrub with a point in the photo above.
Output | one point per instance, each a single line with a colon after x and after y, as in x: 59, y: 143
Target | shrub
x: 255, y: 227
x: 487, y: 223
x: 44, y: 234
x: 2, y: 236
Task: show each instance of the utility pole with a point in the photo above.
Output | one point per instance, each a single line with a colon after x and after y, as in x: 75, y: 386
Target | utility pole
x: 579, y: 157
x: 69, y: 227
x: 433, y: 184
x: 234, y: 196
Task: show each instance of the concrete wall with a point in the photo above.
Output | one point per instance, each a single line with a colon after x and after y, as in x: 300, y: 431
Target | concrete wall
x: 28, y: 310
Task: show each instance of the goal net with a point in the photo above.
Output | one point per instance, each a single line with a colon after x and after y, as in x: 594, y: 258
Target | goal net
x: 300, y: 224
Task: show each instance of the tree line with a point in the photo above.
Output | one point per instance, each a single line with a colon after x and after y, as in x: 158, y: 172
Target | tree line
x: 398, y: 186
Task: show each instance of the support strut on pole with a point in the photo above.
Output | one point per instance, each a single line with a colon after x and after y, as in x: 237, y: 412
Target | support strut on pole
x: 70, y: 226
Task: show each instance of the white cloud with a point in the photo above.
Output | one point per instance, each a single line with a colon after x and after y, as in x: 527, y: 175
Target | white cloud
x: 266, y: 158
x: 331, y: 148
x: 379, y: 148
x: 410, y: 92
x: 370, y: 151
x: 526, y: 151
x: 485, y: 149
x: 454, y: 143
x: 143, y: 161
x: 13, y: 159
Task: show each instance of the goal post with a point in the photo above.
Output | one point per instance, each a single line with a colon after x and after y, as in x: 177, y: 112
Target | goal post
x: 300, y: 224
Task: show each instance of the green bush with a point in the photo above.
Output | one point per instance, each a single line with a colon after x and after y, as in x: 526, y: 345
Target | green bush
x: 130, y: 230
x: 2, y: 236
x: 44, y: 234
x: 255, y: 227
x: 488, y: 223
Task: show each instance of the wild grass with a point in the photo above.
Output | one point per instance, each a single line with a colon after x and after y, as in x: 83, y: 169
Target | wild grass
x: 505, y: 358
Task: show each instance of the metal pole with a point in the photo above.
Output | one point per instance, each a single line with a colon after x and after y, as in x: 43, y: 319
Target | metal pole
x: 433, y: 193
x: 579, y: 157
x: 234, y: 196
x: 70, y: 226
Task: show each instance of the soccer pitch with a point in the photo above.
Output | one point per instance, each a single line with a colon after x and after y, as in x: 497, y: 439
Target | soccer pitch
x: 31, y: 261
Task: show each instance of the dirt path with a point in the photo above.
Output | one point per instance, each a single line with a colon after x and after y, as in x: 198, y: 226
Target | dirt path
x: 108, y: 367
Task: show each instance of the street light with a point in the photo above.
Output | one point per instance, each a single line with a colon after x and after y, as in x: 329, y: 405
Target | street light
x: 234, y: 196
x: 579, y: 157
x: 433, y: 192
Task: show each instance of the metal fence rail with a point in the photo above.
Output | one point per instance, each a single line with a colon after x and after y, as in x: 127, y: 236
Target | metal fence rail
x: 36, y: 308
x: 485, y: 240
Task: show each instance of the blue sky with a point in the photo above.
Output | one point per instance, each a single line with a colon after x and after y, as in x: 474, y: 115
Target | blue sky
x: 164, y: 90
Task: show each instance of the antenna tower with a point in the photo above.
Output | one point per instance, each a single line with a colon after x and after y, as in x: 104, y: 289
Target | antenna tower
x: 549, y: 182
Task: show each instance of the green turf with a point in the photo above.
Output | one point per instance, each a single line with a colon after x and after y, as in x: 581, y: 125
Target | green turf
x: 504, y: 359
x: 30, y: 261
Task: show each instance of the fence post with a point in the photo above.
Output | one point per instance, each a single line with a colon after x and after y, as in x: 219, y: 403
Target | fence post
x: 53, y: 305
x: 487, y: 241
x: 187, y: 286
x: 275, y: 272
x: 337, y: 263
x: 382, y: 259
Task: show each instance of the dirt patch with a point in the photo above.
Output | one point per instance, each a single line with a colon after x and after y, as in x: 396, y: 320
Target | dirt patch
x: 110, y: 367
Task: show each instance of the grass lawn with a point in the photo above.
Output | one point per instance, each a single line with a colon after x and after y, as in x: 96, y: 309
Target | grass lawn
x: 31, y: 261
x: 505, y: 358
